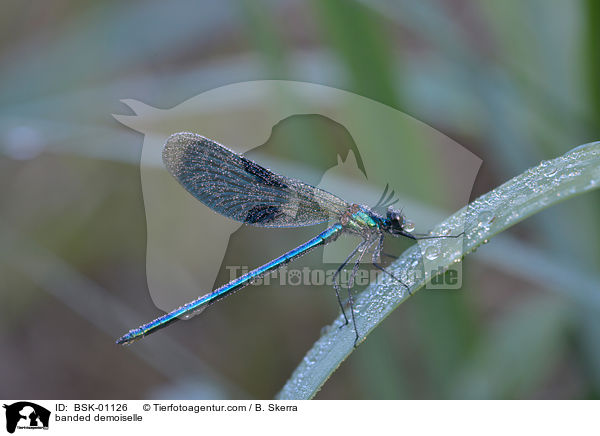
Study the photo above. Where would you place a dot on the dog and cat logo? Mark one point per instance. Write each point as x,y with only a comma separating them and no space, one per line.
26,415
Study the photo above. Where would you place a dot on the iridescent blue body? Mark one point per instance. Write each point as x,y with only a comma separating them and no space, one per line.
199,304
243,190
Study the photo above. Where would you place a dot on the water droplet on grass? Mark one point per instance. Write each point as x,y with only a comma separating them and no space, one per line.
485,218
432,253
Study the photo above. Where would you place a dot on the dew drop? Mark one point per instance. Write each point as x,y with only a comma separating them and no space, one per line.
193,313
409,226
519,200
432,253
485,218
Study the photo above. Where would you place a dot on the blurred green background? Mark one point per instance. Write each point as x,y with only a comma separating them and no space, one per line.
515,82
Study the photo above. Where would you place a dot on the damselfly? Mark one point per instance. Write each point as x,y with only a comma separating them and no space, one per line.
240,189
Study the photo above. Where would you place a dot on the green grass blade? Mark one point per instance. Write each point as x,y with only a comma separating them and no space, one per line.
576,172
517,352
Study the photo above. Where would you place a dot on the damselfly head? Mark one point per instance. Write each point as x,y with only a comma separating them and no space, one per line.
394,221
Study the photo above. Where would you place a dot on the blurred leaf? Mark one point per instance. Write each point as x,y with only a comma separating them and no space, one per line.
263,33
378,370
517,352
359,37
589,324
448,330
98,307
591,12
107,39
550,182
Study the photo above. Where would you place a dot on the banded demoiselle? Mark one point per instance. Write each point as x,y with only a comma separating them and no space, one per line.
242,190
